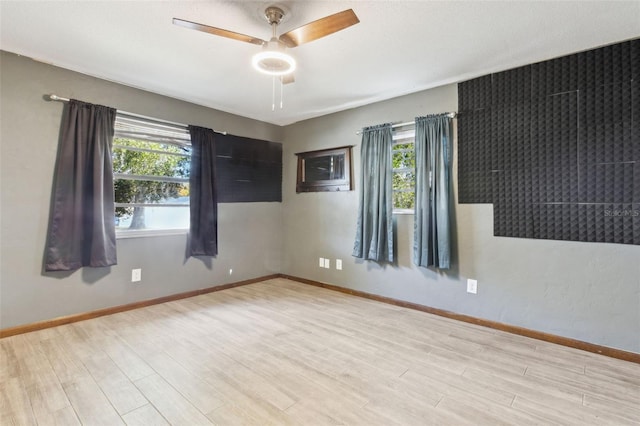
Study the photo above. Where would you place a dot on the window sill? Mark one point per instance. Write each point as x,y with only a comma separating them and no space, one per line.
143,233
404,211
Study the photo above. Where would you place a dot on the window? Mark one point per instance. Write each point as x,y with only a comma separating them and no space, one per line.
151,161
404,169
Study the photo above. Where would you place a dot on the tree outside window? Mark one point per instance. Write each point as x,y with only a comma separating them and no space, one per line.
149,175
404,165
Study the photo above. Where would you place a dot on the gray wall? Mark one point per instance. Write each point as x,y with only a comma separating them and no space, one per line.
250,235
584,291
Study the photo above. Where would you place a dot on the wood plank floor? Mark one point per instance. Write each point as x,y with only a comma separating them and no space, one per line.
281,352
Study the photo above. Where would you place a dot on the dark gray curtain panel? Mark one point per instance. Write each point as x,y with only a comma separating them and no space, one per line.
82,223
374,233
203,232
431,236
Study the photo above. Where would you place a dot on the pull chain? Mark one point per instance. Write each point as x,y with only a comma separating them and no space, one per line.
281,92
273,93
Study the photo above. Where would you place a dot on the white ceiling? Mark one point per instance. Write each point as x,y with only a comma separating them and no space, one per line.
399,47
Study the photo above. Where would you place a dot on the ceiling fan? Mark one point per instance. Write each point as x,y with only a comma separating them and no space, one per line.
273,59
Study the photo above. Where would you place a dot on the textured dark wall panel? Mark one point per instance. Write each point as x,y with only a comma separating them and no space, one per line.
555,146
249,170
512,214
474,94
555,76
513,86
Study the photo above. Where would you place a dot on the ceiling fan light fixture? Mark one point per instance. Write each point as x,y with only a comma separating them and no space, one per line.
274,62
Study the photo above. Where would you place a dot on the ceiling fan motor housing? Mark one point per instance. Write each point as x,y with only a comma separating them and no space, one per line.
274,15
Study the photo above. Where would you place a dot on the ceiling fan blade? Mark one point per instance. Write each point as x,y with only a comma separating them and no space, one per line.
218,31
288,78
320,28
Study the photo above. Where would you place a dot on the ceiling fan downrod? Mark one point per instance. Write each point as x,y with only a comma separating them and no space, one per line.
274,15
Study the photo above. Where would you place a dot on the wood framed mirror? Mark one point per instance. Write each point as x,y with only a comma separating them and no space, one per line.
325,170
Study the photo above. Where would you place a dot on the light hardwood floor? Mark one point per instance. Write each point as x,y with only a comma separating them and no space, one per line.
281,352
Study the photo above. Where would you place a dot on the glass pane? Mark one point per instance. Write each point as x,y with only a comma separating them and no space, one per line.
403,180
326,167
158,146
150,192
149,164
404,156
145,163
403,200
160,217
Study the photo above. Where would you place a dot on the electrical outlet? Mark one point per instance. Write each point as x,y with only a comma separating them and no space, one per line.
230,271
136,275
339,264
472,286
327,263
321,262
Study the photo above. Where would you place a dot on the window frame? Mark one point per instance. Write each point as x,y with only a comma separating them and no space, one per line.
403,135
146,129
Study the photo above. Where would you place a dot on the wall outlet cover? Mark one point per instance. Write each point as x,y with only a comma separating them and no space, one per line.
136,275
472,286
321,262
339,264
327,263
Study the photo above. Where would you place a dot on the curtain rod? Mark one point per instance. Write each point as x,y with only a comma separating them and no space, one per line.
131,114
393,126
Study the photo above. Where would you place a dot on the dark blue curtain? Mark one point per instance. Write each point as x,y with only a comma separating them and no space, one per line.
203,231
82,221
374,232
431,238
